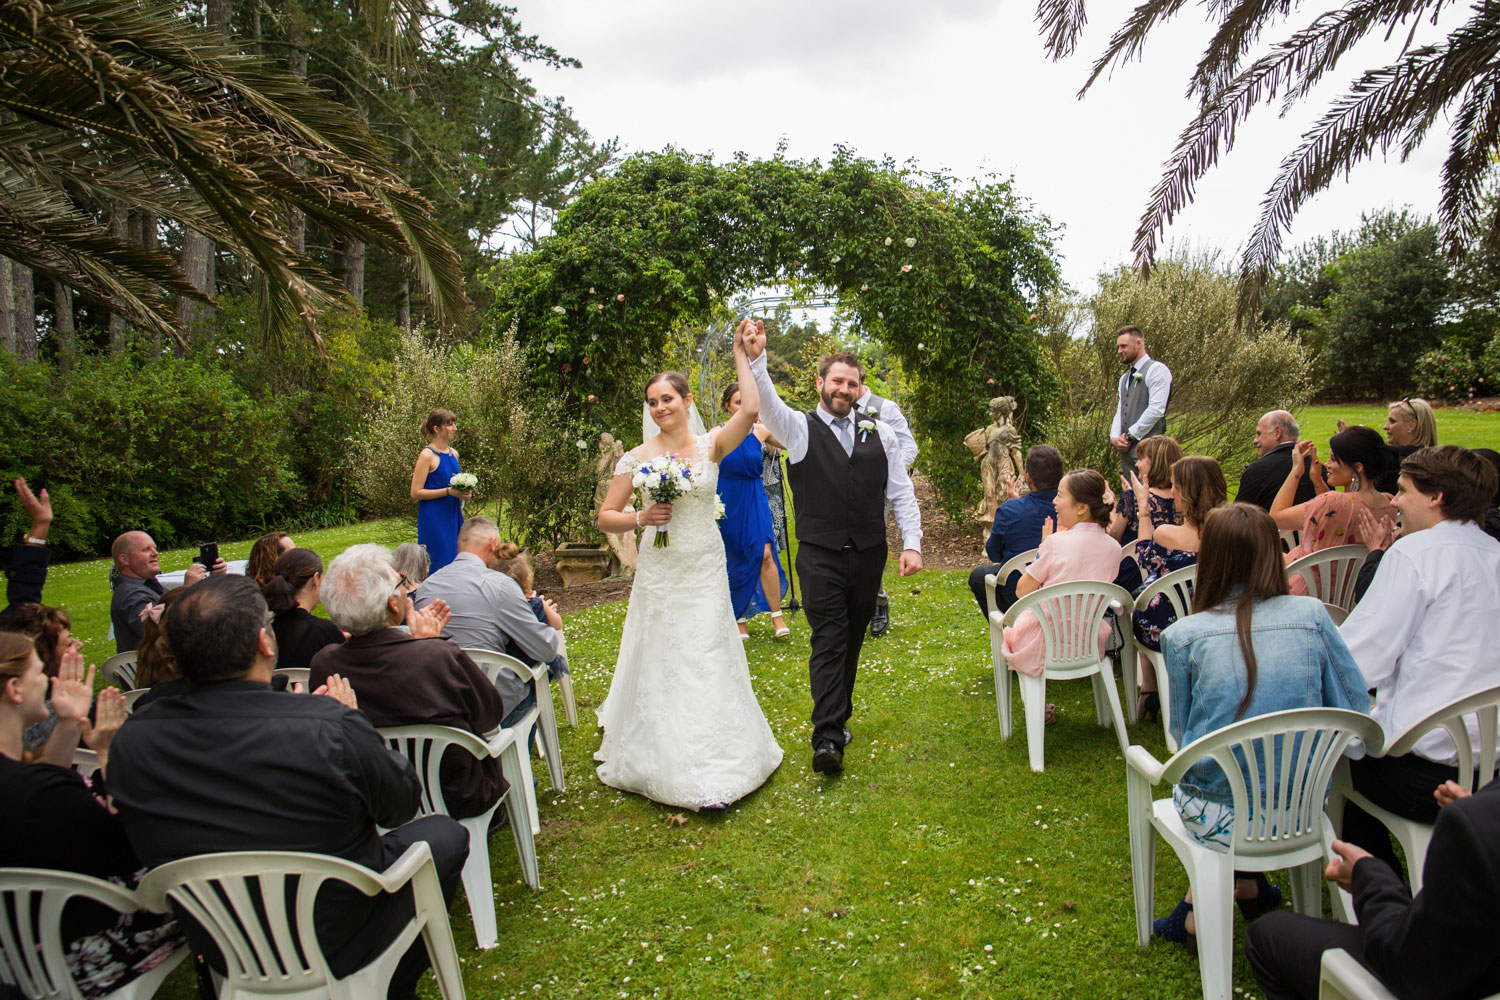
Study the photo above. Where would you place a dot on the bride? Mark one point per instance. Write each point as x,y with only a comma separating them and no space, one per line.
681,723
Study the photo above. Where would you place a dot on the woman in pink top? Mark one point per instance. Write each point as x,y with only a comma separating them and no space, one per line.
1356,459
1080,549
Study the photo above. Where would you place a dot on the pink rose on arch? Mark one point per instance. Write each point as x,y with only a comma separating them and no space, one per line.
905,268
864,288
591,397
620,297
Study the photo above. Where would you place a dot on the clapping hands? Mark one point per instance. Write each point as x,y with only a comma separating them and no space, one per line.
429,622
1302,451
109,716
1012,487
73,689
1373,532
339,690
1049,525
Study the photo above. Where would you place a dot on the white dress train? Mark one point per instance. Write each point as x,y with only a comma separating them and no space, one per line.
681,723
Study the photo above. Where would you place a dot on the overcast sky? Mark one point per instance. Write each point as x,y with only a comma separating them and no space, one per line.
958,84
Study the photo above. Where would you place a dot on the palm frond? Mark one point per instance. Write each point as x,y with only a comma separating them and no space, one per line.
1062,22
1131,36
1476,131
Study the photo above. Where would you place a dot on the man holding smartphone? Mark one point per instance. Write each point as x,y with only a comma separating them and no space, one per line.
136,565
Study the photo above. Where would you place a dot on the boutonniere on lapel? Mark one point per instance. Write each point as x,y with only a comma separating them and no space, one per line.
1137,377
865,427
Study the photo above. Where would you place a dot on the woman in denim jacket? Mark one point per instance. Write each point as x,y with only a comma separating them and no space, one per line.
1249,649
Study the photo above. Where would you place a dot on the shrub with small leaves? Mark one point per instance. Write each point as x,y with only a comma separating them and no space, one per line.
1450,373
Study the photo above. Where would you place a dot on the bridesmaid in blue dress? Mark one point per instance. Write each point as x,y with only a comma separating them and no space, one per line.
756,579
440,508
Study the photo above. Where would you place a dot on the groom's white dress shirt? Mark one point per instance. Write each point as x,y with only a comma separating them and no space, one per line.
788,427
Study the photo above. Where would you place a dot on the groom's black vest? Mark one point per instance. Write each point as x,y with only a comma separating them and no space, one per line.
839,499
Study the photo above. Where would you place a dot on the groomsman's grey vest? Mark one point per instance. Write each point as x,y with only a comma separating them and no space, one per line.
1134,398
839,499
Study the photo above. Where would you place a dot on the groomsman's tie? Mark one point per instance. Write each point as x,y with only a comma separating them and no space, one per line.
846,436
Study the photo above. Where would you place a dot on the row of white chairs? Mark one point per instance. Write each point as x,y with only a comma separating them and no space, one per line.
256,906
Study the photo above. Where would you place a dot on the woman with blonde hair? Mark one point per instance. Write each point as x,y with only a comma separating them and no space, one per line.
1198,487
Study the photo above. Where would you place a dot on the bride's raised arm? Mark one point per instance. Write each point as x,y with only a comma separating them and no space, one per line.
737,427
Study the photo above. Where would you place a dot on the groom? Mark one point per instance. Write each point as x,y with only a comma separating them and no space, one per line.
841,474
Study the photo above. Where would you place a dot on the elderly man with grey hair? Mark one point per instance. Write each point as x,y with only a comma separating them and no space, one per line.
489,609
408,678
1275,436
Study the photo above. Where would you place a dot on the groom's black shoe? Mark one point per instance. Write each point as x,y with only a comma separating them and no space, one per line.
882,620
828,757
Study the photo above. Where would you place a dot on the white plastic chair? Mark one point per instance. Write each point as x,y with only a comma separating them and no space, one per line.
133,695
570,707
1414,837
1330,575
120,669
272,950
1294,754
992,582
1290,539
294,675
33,954
1178,588
1343,978
85,761
546,721
424,746
1070,615
1127,551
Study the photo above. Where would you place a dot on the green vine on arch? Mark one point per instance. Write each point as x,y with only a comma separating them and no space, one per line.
946,276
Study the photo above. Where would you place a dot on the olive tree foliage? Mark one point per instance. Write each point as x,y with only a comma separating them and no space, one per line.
944,275
529,465
1223,378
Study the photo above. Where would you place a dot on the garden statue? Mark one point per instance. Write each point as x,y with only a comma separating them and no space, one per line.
997,448
622,545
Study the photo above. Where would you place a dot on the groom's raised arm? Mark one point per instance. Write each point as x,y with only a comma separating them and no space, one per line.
785,424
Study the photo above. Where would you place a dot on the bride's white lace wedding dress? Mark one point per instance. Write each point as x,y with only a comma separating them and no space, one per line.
681,723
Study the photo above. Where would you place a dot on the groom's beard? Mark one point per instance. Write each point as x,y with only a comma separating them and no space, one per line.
838,405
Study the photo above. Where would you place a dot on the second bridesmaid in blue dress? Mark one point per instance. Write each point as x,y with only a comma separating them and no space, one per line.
756,580
440,507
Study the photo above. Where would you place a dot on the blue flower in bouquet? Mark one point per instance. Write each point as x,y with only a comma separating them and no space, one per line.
663,479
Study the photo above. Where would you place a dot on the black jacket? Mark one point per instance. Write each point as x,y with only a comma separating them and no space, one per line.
1263,477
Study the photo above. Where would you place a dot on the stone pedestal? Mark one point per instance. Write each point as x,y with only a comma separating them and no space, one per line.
582,562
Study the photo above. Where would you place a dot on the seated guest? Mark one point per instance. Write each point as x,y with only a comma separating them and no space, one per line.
1197,488
50,629
1410,425
1018,524
1275,437
1247,649
1080,549
1356,459
291,594
1436,946
261,566
230,765
55,820
28,561
513,563
411,561
155,666
1426,632
1155,457
406,681
133,579
1492,514
489,611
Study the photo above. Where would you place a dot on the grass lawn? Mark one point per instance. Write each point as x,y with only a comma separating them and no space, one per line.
1469,428
938,865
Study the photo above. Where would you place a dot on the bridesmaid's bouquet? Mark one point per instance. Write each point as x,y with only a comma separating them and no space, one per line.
663,480
463,481
719,509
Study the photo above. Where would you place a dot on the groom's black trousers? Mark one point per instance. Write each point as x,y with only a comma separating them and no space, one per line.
838,593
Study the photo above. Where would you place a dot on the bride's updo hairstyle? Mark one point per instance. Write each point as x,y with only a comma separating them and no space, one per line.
676,380
1089,488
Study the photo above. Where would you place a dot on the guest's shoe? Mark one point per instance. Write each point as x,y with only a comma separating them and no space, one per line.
1267,898
881,623
848,736
781,628
828,757
1173,927
1148,707
744,630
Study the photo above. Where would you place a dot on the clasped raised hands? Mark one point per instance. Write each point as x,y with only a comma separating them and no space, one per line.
750,335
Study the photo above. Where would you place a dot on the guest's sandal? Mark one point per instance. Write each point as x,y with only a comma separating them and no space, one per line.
744,632
1173,927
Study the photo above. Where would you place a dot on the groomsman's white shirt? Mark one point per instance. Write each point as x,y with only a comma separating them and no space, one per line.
787,426
891,414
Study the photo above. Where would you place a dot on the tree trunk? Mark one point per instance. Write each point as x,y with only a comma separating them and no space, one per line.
24,297
219,12
354,270
62,322
7,308
403,306
144,232
296,64
119,228
198,263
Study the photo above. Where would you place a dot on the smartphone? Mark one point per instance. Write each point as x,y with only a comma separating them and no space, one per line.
208,554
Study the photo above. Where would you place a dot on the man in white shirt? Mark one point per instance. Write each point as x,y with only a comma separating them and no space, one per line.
886,411
1426,632
1143,392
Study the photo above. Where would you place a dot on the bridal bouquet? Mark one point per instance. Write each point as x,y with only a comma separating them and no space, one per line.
663,480
463,481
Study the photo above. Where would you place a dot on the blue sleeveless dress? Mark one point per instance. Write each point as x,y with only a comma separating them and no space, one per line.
438,520
746,527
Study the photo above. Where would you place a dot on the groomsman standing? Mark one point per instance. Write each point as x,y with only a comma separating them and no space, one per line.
885,410
1144,390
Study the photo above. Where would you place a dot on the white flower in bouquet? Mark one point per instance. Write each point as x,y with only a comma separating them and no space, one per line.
464,481
719,509
662,480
